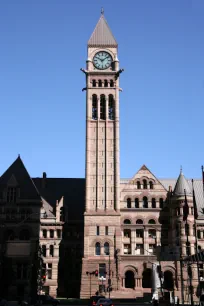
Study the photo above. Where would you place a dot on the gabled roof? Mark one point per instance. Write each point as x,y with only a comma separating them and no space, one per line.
73,190
182,185
18,171
148,172
102,35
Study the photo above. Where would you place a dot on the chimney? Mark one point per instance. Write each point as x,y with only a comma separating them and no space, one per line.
44,180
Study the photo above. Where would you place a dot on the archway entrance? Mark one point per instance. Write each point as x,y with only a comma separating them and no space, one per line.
168,280
129,280
147,278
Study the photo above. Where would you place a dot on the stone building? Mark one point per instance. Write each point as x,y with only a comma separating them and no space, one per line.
120,228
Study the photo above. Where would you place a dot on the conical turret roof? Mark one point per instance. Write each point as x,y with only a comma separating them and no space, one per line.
102,35
182,184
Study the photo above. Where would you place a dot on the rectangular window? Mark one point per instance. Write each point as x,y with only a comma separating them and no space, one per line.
102,270
49,271
152,248
106,230
127,249
139,233
97,231
139,249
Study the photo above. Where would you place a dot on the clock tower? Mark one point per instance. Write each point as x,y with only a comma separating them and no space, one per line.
102,211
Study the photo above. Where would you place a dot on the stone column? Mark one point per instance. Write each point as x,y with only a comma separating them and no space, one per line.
133,241
55,233
183,249
201,234
48,233
145,241
47,250
56,251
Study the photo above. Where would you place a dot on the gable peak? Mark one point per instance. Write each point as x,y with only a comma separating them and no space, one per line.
144,168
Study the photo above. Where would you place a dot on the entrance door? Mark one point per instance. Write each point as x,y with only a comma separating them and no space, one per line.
129,280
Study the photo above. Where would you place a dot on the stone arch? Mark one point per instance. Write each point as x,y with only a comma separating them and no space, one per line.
129,279
151,218
127,217
130,268
168,280
130,274
95,241
139,220
128,196
108,241
147,278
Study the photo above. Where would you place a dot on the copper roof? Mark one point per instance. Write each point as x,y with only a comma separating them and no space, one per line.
102,35
182,185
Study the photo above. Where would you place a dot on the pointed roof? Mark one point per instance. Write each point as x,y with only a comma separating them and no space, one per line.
102,35
18,171
182,184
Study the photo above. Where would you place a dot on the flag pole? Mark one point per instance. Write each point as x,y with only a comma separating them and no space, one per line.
189,269
196,239
202,178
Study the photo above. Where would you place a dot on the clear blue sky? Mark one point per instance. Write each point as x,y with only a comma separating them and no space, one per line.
42,114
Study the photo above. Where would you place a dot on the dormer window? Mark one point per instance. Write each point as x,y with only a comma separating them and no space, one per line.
11,194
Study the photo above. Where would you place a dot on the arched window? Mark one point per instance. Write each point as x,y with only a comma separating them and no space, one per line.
111,83
128,203
199,248
99,83
144,184
153,203
97,249
44,250
161,203
51,250
145,202
24,235
139,221
187,229
94,107
94,83
102,107
152,233
136,203
111,113
138,185
106,248
152,221
150,185
198,234
105,83
127,221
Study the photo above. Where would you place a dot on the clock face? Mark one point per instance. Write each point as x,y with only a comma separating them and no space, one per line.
102,60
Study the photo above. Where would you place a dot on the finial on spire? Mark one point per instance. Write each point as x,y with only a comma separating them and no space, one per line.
102,11
181,170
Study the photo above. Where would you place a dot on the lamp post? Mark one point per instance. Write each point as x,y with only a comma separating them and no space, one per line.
90,274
